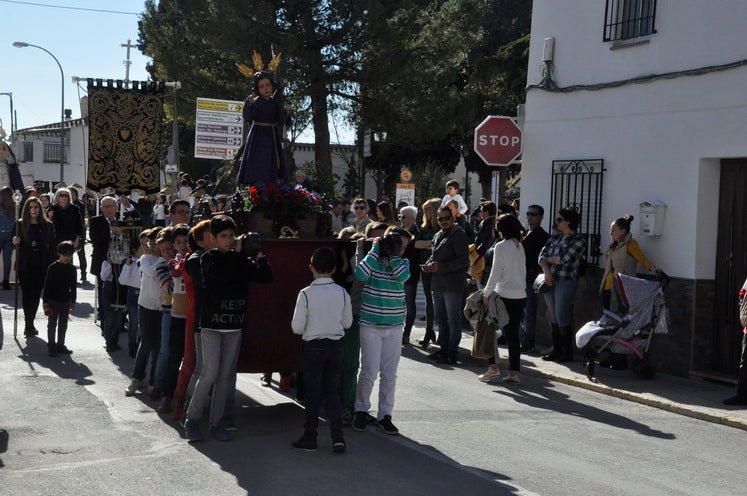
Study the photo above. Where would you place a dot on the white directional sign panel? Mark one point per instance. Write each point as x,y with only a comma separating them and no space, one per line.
219,127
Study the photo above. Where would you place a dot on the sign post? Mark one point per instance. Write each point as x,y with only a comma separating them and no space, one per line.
219,125
498,140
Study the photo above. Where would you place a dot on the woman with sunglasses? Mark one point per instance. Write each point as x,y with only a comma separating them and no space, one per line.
66,218
34,242
560,260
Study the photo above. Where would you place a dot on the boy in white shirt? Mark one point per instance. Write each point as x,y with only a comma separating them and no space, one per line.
323,312
452,194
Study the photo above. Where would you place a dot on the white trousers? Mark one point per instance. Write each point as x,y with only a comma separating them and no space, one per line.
381,347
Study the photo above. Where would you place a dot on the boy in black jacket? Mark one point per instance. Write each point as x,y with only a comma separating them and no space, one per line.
59,297
225,274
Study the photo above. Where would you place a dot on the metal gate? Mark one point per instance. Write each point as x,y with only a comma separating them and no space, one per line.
578,184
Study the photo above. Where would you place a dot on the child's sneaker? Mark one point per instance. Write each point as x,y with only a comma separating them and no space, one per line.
306,443
339,446
165,405
135,386
192,430
347,417
361,420
219,433
64,350
386,426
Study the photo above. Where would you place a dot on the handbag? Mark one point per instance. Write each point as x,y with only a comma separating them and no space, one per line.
743,312
476,262
539,285
483,344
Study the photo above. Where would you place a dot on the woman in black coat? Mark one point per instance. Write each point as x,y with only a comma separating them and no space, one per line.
66,218
35,243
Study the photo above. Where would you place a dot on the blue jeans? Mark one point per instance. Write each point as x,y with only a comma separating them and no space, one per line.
447,306
560,301
529,320
162,360
150,341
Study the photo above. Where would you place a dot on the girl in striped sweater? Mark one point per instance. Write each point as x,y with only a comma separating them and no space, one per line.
382,318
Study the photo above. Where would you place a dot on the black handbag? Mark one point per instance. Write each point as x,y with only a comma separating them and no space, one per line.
539,285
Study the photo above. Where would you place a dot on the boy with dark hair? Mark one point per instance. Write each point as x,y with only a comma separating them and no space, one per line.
452,194
59,297
323,312
225,274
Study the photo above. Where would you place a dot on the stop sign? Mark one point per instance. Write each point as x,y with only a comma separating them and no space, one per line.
498,140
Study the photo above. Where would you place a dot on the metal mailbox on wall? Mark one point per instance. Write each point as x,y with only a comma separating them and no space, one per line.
652,217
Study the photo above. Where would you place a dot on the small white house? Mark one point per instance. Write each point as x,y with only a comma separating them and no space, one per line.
637,103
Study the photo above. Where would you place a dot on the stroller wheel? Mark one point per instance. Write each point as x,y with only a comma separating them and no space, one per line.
589,368
645,371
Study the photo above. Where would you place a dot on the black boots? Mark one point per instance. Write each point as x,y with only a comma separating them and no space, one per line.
557,345
562,345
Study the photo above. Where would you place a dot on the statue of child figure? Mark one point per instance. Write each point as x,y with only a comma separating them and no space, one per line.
262,158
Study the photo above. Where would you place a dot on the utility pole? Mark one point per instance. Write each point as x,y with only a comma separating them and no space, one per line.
127,63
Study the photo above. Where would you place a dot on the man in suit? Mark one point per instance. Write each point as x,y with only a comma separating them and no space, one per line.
101,236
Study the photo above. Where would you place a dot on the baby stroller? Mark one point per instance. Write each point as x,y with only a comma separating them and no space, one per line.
630,334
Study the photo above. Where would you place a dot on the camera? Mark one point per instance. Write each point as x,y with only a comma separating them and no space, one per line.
390,245
251,244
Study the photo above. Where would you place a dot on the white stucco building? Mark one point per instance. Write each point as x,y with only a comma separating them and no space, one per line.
653,92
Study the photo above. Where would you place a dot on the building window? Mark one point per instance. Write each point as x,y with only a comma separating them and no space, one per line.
52,152
626,19
28,151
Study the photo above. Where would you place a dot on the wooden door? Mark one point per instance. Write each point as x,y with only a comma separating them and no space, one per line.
731,263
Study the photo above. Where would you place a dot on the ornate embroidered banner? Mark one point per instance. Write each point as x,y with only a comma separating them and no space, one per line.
124,140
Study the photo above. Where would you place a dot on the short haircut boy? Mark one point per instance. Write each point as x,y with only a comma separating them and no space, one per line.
221,223
324,260
453,183
66,248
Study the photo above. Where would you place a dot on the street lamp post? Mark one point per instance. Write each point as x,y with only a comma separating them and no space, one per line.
21,44
12,126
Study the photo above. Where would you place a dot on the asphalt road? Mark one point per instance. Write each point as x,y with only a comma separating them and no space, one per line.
67,428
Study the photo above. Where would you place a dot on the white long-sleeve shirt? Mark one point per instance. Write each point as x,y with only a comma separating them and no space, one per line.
130,274
508,274
150,287
323,311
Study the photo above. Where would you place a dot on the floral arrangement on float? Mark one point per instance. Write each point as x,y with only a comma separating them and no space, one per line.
278,208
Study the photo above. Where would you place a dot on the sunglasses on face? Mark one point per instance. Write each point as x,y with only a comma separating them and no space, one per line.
63,195
532,214
359,207
443,219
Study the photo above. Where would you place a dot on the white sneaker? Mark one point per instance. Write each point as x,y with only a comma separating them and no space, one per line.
135,386
513,377
490,374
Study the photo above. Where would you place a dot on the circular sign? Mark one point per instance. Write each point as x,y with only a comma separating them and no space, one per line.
405,175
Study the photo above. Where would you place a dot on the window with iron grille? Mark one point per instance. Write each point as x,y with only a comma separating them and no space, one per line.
626,19
28,151
52,152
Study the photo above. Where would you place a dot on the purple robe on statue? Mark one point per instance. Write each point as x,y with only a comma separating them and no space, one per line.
263,158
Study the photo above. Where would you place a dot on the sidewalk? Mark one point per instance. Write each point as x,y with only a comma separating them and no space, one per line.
696,398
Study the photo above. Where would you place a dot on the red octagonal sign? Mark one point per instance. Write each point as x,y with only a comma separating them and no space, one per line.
498,140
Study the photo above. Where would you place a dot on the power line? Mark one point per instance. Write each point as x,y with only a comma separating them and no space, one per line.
34,4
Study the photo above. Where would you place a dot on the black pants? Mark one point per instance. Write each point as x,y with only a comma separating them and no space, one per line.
57,322
515,310
176,353
322,363
32,283
742,380
82,262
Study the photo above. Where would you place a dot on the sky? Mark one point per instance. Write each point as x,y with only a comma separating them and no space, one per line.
85,36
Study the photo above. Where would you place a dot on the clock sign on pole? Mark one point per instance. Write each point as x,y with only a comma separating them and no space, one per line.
498,140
